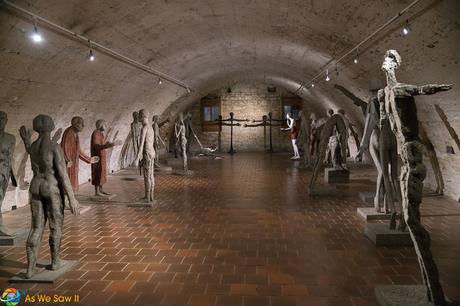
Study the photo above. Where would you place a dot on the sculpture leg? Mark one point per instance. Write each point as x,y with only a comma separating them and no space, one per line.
413,174
321,152
152,184
148,180
295,148
306,154
385,162
3,187
437,172
375,154
55,214
35,234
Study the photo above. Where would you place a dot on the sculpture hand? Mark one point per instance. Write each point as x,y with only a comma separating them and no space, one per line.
445,87
25,133
74,206
94,159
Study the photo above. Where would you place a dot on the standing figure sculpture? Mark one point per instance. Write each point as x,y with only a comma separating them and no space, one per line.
334,127
381,143
397,104
146,155
70,144
292,134
189,131
7,145
181,140
157,141
99,144
49,185
304,137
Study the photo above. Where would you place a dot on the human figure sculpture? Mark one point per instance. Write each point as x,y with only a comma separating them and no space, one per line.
397,103
70,144
292,134
49,184
189,131
431,152
136,127
7,145
146,154
181,140
304,136
157,141
381,143
99,144
315,132
334,126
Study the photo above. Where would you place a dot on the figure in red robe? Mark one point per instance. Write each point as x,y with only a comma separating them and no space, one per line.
99,144
72,152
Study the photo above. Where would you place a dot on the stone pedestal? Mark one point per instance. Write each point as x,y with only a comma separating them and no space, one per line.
402,295
381,235
10,238
102,198
367,197
369,213
333,176
44,275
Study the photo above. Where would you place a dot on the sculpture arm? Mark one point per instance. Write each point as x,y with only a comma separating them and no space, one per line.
63,178
369,126
357,101
26,136
12,175
141,144
429,89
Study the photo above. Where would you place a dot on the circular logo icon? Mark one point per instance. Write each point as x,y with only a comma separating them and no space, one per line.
11,297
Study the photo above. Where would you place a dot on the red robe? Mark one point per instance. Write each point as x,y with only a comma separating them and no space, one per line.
98,146
72,152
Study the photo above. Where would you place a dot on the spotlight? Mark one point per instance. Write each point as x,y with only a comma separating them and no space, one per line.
355,60
36,36
406,29
312,85
327,75
91,55
188,90
160,81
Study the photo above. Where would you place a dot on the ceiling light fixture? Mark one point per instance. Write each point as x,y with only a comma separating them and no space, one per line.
406,29
91,55
36,36
327,75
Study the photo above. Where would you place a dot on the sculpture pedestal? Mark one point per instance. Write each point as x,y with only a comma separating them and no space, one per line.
102,198
369,213
332,175
143,204
367,197
381,235
402,295
44,275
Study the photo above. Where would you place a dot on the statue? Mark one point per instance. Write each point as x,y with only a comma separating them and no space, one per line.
397,104
315,132
49,185
293,134
334,127
99,144
146,154
381,143
189,131
157,141
304,137
70,144
7,145
136,132
181,140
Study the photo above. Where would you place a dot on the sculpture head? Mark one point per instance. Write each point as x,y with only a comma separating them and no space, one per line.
312,116
77,123
144,116
135,116
43,124
156,118
232,114
101,125
391,61
3,120
330,112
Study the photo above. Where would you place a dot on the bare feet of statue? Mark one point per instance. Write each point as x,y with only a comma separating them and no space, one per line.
56,264
295,157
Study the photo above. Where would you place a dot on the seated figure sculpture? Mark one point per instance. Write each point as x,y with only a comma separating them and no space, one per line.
49,184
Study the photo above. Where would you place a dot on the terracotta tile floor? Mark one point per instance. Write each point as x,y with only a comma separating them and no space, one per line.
241,231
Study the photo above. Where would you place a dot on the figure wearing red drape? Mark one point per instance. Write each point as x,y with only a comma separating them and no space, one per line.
72,153
98,148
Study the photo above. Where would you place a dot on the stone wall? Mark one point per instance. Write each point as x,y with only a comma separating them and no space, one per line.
246,102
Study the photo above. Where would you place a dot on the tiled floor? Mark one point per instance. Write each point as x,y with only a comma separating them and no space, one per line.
241,231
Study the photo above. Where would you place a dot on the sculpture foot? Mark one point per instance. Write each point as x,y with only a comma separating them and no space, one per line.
295,157
56,265
30,273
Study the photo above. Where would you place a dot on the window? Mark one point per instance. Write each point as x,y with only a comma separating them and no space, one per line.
291,105
210,111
